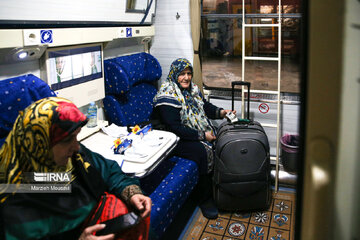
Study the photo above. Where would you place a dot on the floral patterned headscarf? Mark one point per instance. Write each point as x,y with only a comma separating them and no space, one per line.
37,129
189,100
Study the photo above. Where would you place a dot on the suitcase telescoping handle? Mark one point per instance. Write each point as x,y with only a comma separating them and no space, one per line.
247,84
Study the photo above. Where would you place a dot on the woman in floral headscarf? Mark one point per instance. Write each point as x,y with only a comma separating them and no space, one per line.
44,140
185,112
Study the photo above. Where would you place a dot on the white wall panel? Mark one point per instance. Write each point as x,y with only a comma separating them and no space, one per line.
18,69
172,35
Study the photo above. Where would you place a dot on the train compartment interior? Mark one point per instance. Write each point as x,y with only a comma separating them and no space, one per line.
118,54
36,51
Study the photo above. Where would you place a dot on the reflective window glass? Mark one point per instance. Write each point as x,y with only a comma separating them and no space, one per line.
221,43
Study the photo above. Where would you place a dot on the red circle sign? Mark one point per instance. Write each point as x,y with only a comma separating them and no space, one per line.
264,108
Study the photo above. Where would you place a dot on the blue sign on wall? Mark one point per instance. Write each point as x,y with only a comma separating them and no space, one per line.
128,32
46,36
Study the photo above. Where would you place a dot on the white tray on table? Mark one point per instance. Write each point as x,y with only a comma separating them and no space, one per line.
142,157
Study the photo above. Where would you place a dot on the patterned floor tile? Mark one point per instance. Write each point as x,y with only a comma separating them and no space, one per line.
277,234
261,218
281,221
229,238
282,206
256,232
210,236
274,224
236,229
217,226
244,217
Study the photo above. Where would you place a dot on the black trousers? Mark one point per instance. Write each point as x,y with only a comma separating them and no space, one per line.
195,151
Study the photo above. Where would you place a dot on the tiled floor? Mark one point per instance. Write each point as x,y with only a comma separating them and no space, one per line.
277,223
262,74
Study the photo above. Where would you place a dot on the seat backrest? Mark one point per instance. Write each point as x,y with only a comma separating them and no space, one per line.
129,88
122,73
15,95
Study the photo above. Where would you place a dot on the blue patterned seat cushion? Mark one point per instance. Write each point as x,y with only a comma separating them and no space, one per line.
15,95
131,108
116,79
168,187
122,73
140,67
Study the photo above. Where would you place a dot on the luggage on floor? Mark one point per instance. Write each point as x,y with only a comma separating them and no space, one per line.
241,178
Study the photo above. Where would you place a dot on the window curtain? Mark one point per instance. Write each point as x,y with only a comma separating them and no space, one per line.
195,16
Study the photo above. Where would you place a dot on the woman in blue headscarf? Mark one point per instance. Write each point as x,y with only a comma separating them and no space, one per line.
184,111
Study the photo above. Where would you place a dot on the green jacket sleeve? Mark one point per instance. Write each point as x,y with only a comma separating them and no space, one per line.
114,177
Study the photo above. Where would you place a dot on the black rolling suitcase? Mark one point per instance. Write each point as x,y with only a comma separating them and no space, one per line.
241,178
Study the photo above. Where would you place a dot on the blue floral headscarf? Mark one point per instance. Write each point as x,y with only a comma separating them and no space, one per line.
189,100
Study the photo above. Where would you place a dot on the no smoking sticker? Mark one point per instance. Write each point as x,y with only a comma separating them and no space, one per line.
264,108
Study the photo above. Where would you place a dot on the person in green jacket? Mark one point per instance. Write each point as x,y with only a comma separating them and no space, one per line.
44,140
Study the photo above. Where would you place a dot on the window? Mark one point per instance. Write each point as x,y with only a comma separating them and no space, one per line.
136,5
221,43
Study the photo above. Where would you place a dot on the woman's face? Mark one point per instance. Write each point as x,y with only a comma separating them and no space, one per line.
64,149
184,78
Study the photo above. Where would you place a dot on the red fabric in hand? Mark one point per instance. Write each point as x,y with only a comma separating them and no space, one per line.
111,207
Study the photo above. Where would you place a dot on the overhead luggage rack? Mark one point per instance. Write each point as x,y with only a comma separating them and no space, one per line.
276,93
